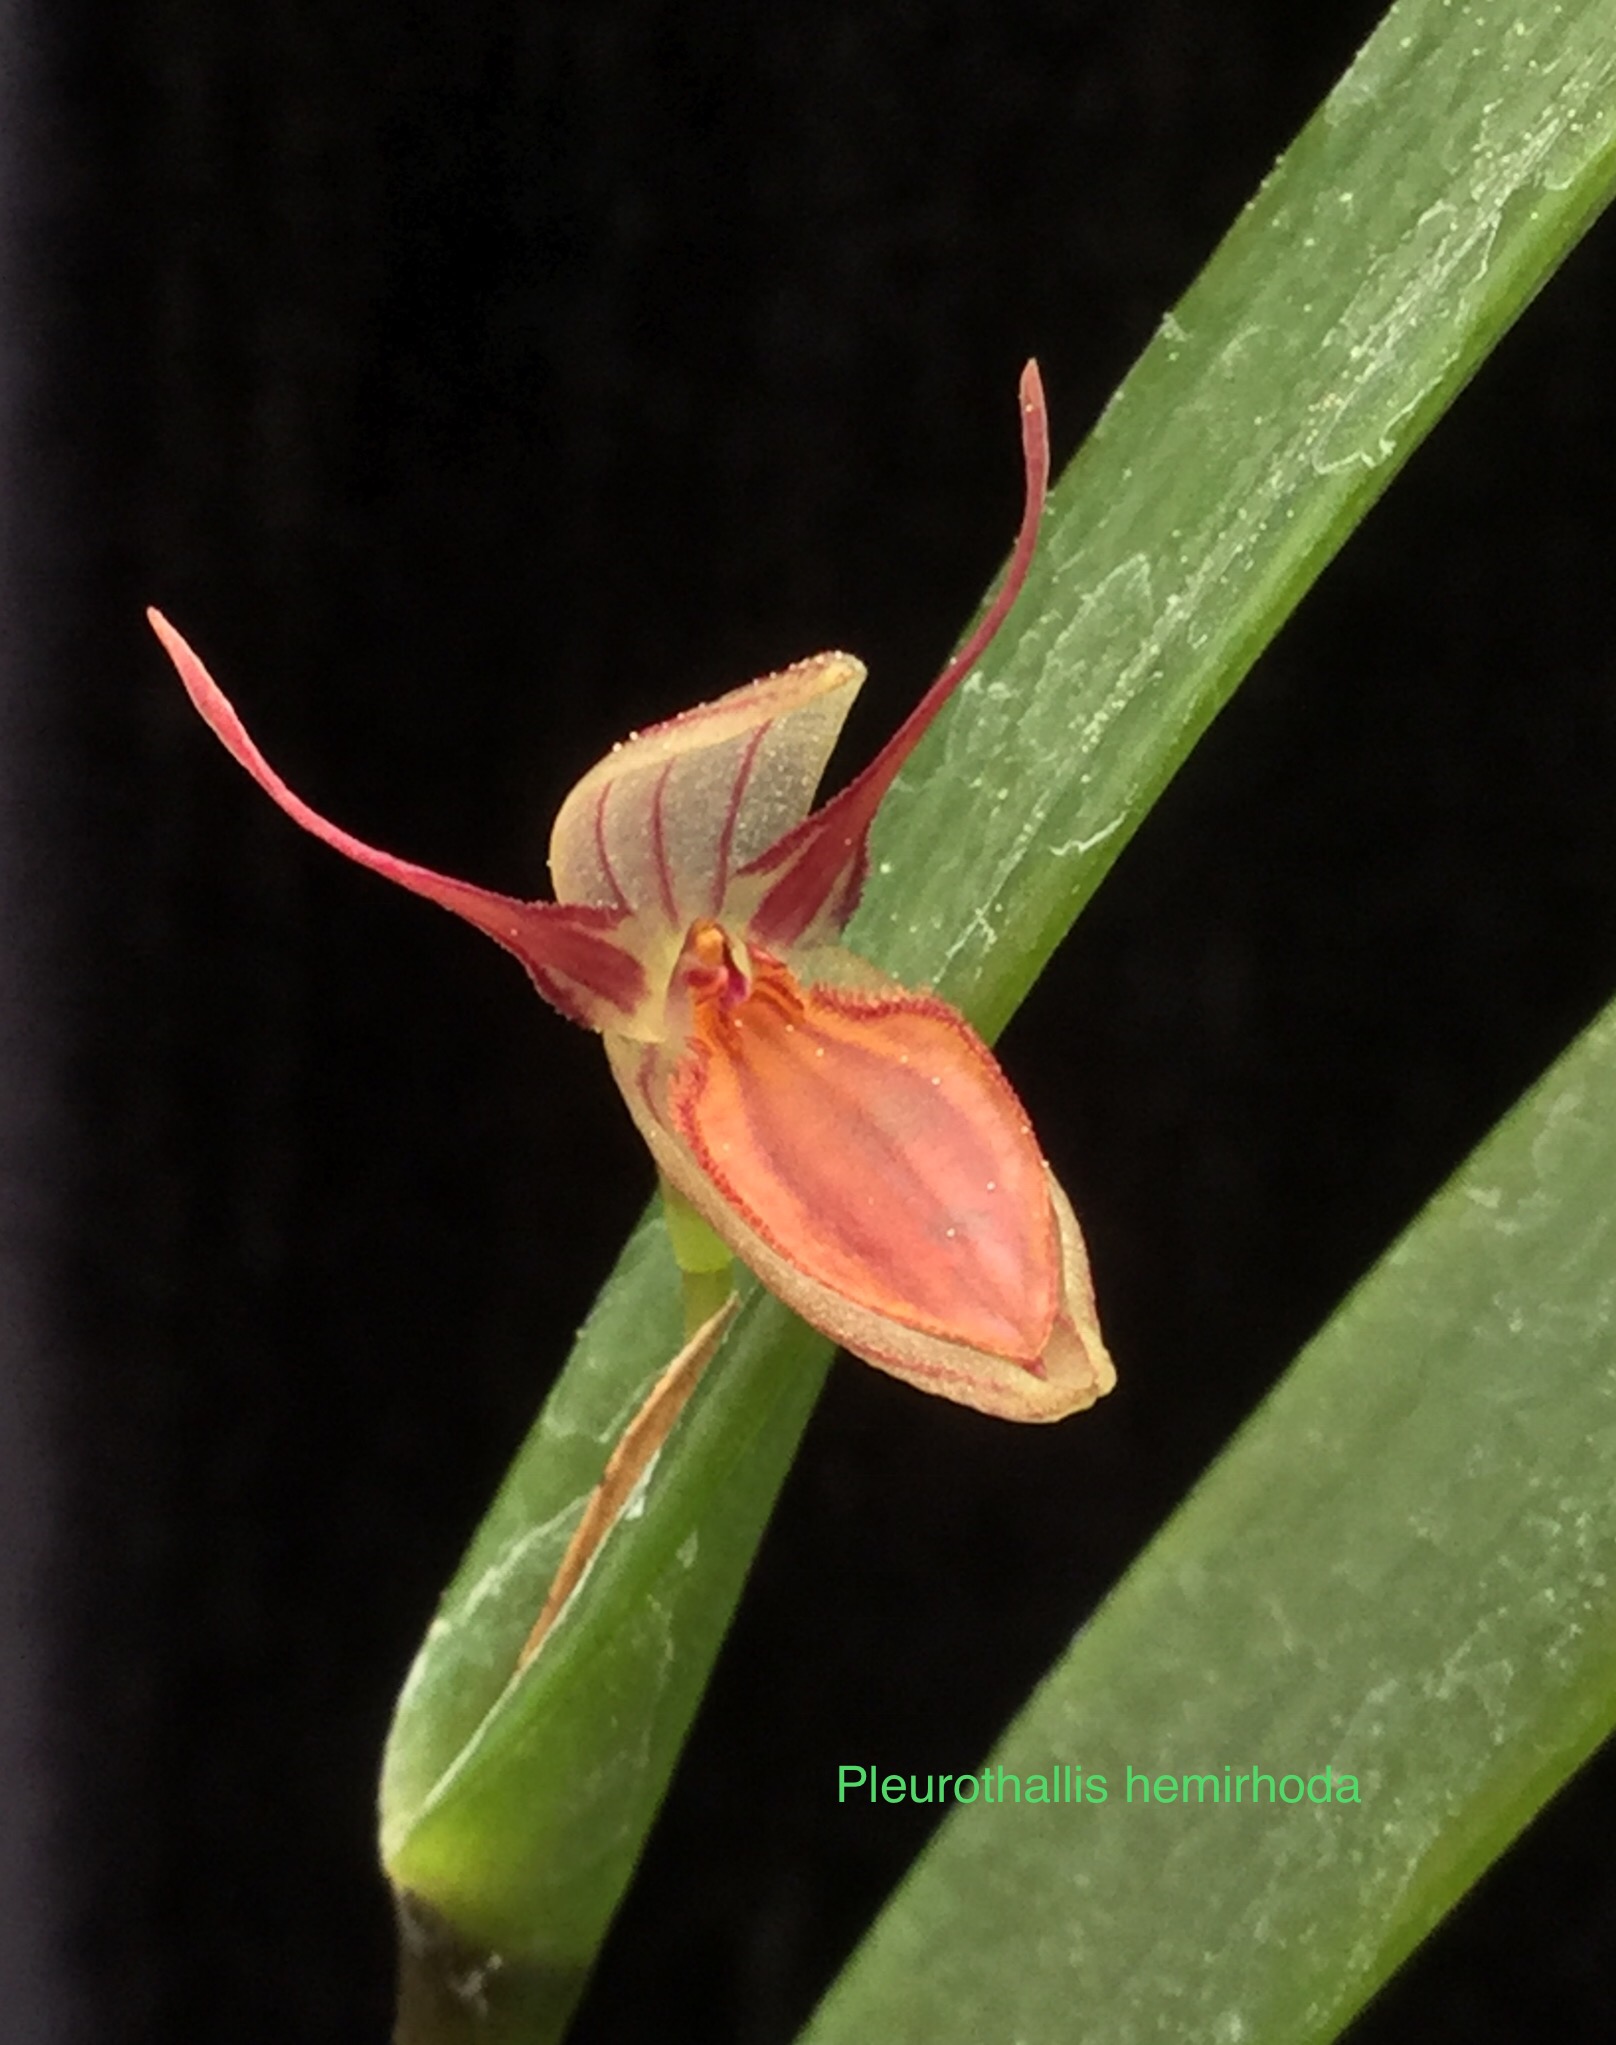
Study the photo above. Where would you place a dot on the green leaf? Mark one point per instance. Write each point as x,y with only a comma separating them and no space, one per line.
1439,184
1404,1569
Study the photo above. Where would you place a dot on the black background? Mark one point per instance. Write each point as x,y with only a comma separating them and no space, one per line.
474,383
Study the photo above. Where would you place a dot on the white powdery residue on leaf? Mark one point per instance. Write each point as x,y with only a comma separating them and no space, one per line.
1446,257
1078,848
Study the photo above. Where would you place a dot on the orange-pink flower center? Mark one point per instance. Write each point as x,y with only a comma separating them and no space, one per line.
872,1141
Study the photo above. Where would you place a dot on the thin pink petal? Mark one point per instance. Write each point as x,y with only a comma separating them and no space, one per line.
818,869
568,952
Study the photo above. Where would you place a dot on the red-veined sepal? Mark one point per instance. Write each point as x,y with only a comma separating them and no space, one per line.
663,824
858,1147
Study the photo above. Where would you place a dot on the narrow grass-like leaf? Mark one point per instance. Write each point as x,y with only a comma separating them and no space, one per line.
1403,1569
1439,184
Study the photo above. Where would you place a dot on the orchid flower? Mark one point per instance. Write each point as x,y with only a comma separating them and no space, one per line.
852,1141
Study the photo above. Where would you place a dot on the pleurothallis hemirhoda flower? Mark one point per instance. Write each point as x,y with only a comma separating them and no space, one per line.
851,1140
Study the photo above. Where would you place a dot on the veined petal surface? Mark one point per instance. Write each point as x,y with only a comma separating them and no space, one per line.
665,821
